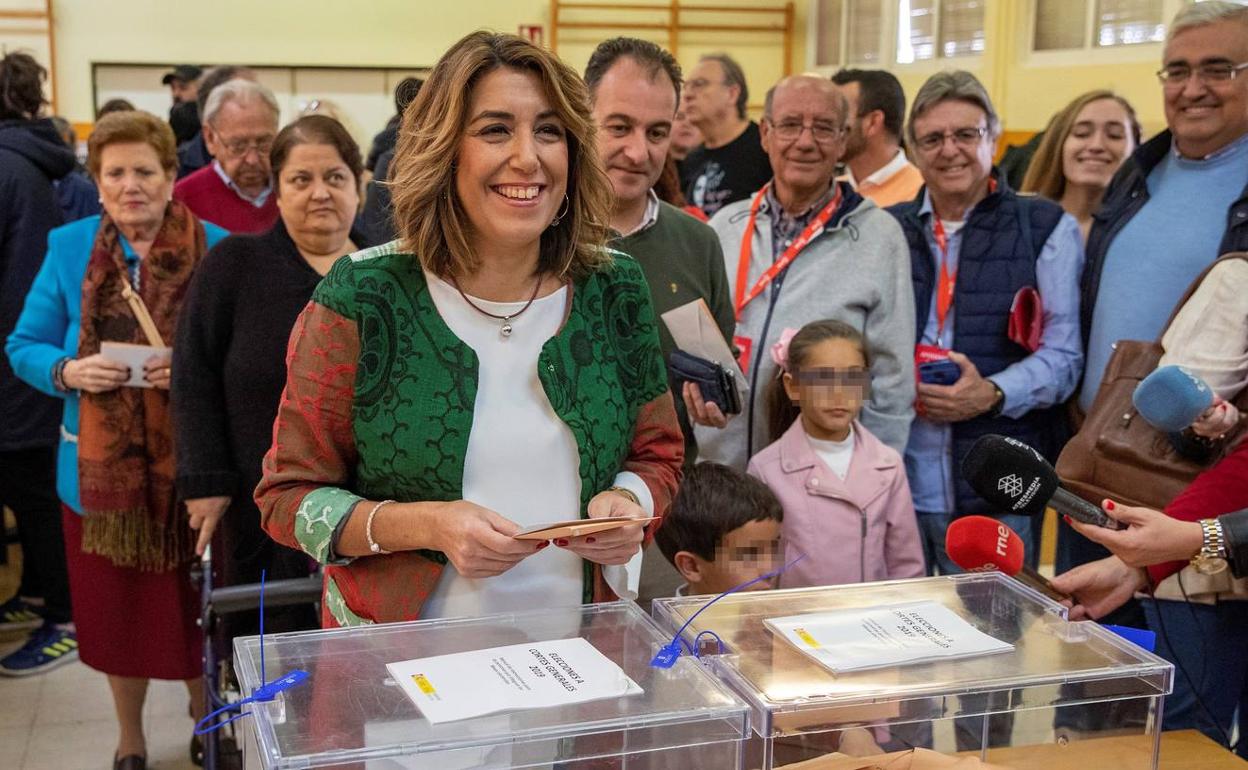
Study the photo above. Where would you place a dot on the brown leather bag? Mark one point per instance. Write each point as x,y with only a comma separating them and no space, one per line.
1116,453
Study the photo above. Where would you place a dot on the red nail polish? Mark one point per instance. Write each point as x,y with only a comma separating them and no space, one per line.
1109,505
543,544
1068,521
590,539
561,542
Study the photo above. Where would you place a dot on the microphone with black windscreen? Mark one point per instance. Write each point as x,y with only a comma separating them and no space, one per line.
1014,478
983,544
1172,398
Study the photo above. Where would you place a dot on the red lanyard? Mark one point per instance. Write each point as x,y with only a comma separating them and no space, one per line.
948,280
816,225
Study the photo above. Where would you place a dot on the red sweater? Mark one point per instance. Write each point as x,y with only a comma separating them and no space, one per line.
211,200
1221,489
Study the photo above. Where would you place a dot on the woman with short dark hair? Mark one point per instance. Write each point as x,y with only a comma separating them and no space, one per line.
120,277
230,355
494,369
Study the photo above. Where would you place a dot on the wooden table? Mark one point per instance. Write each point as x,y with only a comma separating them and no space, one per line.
1192,750
1180,750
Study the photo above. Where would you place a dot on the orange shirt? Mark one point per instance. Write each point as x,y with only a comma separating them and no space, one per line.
899,187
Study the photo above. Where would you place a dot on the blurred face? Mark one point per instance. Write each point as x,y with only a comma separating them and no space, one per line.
685,135
952,148
512,161
708,99
183,91
745,553
634,117
831,386
1098,142
134,189
317,196
855,138
239,138
1206,115
803,138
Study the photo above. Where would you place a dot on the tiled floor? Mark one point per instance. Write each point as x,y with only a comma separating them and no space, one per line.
63,720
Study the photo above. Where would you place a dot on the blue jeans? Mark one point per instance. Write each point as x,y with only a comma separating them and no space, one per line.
1210,642
932,528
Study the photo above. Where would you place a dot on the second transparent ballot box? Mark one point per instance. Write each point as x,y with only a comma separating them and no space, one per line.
350,713
1068,694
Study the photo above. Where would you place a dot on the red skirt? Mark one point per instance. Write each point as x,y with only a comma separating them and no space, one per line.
132,623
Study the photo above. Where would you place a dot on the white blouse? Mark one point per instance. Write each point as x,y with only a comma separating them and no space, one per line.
522,460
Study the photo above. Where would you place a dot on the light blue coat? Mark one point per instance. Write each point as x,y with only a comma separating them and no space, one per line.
47,331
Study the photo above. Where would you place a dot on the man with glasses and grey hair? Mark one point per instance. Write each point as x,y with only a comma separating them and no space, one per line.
234,191
806,248
1177,203
977,251
730,165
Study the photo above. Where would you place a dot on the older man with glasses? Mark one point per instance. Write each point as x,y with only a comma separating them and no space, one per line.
1177,203
234,191
978,250
806,248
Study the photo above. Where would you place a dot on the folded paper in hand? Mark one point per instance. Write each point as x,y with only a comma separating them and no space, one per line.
694,331
578,527
133,356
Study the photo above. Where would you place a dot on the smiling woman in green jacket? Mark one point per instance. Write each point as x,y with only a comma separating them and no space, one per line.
493,369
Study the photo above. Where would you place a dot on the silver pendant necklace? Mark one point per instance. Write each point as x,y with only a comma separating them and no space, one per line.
506,328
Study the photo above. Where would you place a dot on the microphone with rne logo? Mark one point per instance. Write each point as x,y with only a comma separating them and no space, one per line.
1014,478
983,544
1172,398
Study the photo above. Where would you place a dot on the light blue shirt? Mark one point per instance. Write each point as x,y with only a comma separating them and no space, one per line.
257,201
1042,379
1161,250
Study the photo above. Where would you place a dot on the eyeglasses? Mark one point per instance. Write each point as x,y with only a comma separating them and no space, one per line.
240,147
965,138
790,130
1175,76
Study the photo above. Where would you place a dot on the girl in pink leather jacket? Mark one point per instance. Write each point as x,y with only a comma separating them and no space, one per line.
846,500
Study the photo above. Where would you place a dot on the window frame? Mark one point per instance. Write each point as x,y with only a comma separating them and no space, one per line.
888,43
1091,53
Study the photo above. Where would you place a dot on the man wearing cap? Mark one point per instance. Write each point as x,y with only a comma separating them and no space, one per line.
183,82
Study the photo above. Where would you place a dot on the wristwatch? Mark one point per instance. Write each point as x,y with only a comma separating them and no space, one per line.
1212,556
998,403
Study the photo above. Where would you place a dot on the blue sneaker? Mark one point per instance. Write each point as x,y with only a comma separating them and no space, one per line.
17,614
48,647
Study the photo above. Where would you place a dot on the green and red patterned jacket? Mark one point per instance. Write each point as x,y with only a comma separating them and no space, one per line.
379,404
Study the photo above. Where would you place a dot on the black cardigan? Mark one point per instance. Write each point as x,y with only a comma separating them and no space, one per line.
229,360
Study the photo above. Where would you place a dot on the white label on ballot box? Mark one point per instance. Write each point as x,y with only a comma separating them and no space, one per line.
520,676
878,637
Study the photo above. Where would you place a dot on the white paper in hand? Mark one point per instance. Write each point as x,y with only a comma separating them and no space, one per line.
536,675
878,637
133,356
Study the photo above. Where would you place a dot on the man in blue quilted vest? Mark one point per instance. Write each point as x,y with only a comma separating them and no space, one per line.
980,254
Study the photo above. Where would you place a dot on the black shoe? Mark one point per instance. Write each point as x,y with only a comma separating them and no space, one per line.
130,762
197,751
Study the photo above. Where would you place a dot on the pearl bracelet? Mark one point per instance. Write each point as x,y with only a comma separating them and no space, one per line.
368,528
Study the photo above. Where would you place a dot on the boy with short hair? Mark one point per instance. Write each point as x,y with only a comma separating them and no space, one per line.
722,530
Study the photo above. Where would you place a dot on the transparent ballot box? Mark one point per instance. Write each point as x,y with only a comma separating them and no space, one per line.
1068,695
350,713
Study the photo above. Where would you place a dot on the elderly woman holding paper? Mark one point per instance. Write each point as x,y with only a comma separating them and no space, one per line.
494,369
119,278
